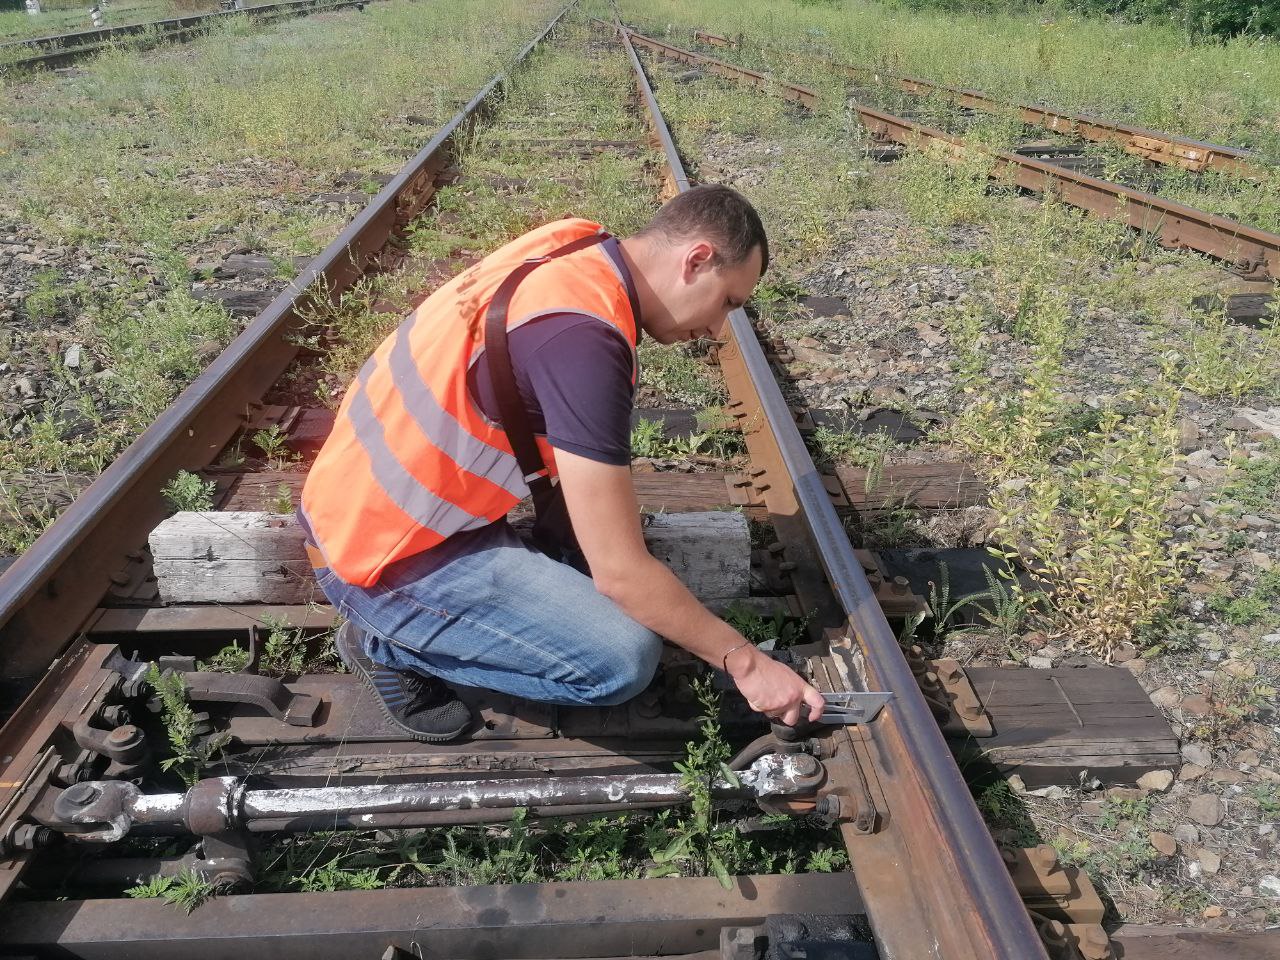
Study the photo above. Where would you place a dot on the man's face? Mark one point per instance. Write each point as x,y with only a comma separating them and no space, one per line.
703,293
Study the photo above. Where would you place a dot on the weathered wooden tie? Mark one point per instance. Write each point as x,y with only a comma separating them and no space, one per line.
250,557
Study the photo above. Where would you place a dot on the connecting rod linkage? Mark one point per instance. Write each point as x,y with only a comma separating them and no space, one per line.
112,808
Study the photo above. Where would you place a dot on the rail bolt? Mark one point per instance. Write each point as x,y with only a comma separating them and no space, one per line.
33,836
805,765
80,794
1044,857
828,808
124,736
69,773
114,716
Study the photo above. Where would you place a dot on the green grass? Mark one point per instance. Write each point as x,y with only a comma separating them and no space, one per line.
1255,485
1146,74
144,162
1084,65
1259,604
621,847
68,16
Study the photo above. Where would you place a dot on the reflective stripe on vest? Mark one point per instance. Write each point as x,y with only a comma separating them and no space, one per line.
412,459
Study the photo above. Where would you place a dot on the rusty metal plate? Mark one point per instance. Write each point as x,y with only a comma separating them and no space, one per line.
350,713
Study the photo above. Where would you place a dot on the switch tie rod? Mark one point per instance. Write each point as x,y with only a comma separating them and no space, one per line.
110,809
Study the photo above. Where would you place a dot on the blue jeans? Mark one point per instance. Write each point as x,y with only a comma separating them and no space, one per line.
484,610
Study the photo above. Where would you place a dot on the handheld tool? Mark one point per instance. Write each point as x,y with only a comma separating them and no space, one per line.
850,707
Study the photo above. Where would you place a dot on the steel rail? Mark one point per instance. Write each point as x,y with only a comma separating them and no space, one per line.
1154,145
50,591
65,48
789,91
933,881
1252,252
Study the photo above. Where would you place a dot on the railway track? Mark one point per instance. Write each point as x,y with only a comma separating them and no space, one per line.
927,879
49,53
1250,252
1153,145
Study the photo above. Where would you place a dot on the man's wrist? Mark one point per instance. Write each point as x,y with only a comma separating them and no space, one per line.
740,661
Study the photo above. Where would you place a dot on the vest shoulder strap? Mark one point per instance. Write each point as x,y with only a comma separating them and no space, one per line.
497,352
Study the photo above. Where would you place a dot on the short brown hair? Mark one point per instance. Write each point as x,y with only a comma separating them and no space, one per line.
721,214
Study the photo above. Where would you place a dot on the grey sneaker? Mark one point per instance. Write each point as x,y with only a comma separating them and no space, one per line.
424,707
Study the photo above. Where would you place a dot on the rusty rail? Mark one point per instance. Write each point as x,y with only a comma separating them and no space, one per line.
55,585
932,879
788,91
1249,251
66,48
1153,145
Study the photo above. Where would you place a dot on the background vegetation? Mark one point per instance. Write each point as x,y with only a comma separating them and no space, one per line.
1149,74
1221,18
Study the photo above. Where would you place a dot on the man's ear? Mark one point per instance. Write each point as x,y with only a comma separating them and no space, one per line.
699,257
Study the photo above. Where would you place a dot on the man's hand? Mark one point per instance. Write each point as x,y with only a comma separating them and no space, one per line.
606,518
773,688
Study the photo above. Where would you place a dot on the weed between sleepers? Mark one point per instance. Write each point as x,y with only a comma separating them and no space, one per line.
715,439
189,752
286,652
189,492
704,841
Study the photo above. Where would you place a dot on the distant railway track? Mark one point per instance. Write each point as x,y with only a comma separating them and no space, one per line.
52,52
1154,145
1248,251
926,873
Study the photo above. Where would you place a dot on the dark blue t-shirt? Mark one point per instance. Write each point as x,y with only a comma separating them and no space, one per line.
573,373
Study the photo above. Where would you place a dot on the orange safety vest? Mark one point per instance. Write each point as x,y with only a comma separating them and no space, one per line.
412,459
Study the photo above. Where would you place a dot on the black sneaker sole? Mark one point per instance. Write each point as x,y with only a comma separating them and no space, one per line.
348,645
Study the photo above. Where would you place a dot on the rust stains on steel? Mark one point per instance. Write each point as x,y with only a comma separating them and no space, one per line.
788,91
1249,251
934,884
50,591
